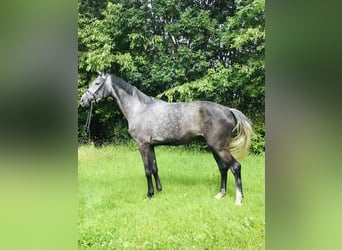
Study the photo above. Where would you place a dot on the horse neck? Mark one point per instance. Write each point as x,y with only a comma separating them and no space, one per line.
129,103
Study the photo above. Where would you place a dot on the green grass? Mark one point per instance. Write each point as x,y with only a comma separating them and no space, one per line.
114,214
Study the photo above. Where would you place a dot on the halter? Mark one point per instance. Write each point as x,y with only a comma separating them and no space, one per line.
97,90
87,125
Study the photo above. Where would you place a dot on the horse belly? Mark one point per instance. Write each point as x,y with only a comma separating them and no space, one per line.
175,134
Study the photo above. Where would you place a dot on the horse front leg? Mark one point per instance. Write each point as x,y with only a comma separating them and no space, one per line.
155,170
145,151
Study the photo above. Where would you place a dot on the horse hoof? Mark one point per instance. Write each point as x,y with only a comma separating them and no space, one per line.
238,203
219,196
149,196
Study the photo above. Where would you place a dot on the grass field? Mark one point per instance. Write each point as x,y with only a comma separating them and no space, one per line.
114,214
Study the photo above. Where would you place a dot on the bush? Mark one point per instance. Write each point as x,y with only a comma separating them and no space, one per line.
258,142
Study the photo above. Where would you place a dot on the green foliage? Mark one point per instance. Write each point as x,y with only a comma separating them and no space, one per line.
96,38
177,50
258,143
113,213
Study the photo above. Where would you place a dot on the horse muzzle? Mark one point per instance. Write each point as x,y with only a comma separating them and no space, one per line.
85,101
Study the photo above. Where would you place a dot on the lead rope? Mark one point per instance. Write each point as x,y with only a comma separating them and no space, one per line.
87,125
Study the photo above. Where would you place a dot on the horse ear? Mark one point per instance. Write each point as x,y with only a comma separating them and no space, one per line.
99,72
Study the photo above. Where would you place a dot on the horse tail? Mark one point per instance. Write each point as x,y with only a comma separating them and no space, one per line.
241,142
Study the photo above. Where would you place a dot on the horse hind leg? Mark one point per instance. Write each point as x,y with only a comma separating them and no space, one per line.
226,161
236,170
223,168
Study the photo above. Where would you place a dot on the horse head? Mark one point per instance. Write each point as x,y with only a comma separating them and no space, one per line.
97,90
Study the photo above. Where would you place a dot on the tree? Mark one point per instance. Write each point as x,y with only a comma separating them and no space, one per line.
176,50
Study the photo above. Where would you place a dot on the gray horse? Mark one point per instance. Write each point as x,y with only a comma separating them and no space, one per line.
152,121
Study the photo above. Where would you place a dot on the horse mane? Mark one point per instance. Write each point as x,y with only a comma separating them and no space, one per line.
132,90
